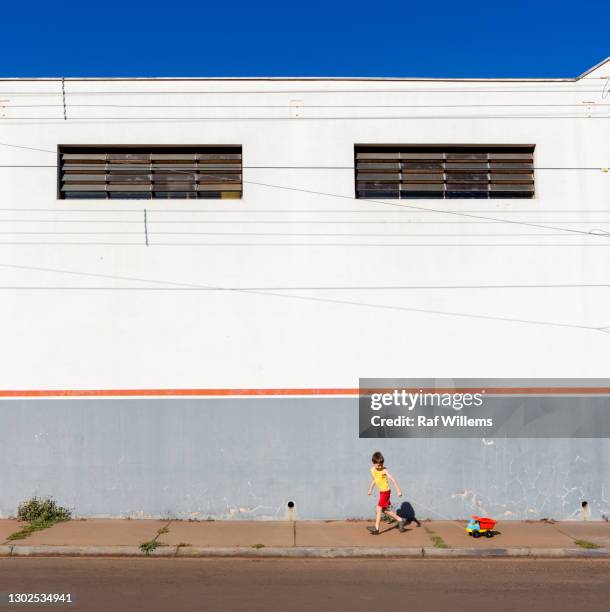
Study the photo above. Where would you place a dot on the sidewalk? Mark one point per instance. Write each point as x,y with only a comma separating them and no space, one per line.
120,537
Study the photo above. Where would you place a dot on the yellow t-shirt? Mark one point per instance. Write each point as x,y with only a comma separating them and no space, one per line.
381,479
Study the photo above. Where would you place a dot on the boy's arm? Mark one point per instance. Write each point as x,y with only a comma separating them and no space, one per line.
372,486
395,483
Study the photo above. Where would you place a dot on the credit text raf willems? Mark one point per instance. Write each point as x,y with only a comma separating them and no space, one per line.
411,400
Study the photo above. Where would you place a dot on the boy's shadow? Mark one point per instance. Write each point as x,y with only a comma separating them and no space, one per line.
407,513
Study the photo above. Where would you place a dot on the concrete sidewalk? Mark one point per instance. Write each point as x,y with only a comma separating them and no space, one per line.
117,537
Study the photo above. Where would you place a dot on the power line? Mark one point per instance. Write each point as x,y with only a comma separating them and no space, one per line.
391,221
54,166
411,206
303,210
304,222
592,232
331,300
203,287
81,221
268,167
414,207
339,234
404,90
304,105
289,234
265,167
74,119
301,288
80,233
304,244
14,146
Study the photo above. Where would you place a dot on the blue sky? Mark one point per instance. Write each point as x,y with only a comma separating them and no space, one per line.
437,38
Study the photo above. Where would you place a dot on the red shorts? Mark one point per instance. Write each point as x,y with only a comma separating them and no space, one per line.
384,499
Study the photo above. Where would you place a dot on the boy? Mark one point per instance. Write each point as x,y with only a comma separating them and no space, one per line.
380,478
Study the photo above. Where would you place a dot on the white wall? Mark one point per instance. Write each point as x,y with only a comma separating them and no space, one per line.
65,339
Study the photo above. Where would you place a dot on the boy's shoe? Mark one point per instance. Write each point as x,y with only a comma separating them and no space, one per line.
417,522
373,530
401,526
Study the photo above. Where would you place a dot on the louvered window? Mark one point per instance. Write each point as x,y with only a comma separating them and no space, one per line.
128,172
407,172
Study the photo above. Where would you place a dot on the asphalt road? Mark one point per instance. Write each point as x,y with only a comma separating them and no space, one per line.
317,584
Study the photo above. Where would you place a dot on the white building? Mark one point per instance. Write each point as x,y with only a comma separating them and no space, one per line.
292,288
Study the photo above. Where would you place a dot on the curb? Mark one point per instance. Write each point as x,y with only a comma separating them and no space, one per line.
600,553
302,552
532,553
478,552
86,551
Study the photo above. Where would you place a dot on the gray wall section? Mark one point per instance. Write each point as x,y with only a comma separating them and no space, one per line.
246,458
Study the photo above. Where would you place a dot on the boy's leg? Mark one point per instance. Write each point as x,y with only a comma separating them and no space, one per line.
401,521
375,530
393,515
385,517
378,517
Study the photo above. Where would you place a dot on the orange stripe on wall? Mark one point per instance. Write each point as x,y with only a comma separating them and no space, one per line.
171,392
295,392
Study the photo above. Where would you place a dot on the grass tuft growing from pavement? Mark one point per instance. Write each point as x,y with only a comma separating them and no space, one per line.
151,545
148,547
436,539
39,514
31,528
586,544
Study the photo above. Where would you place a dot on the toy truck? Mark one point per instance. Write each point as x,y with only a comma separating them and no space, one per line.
479,526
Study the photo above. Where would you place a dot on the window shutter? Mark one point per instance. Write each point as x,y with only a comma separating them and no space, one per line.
150,172
399,172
